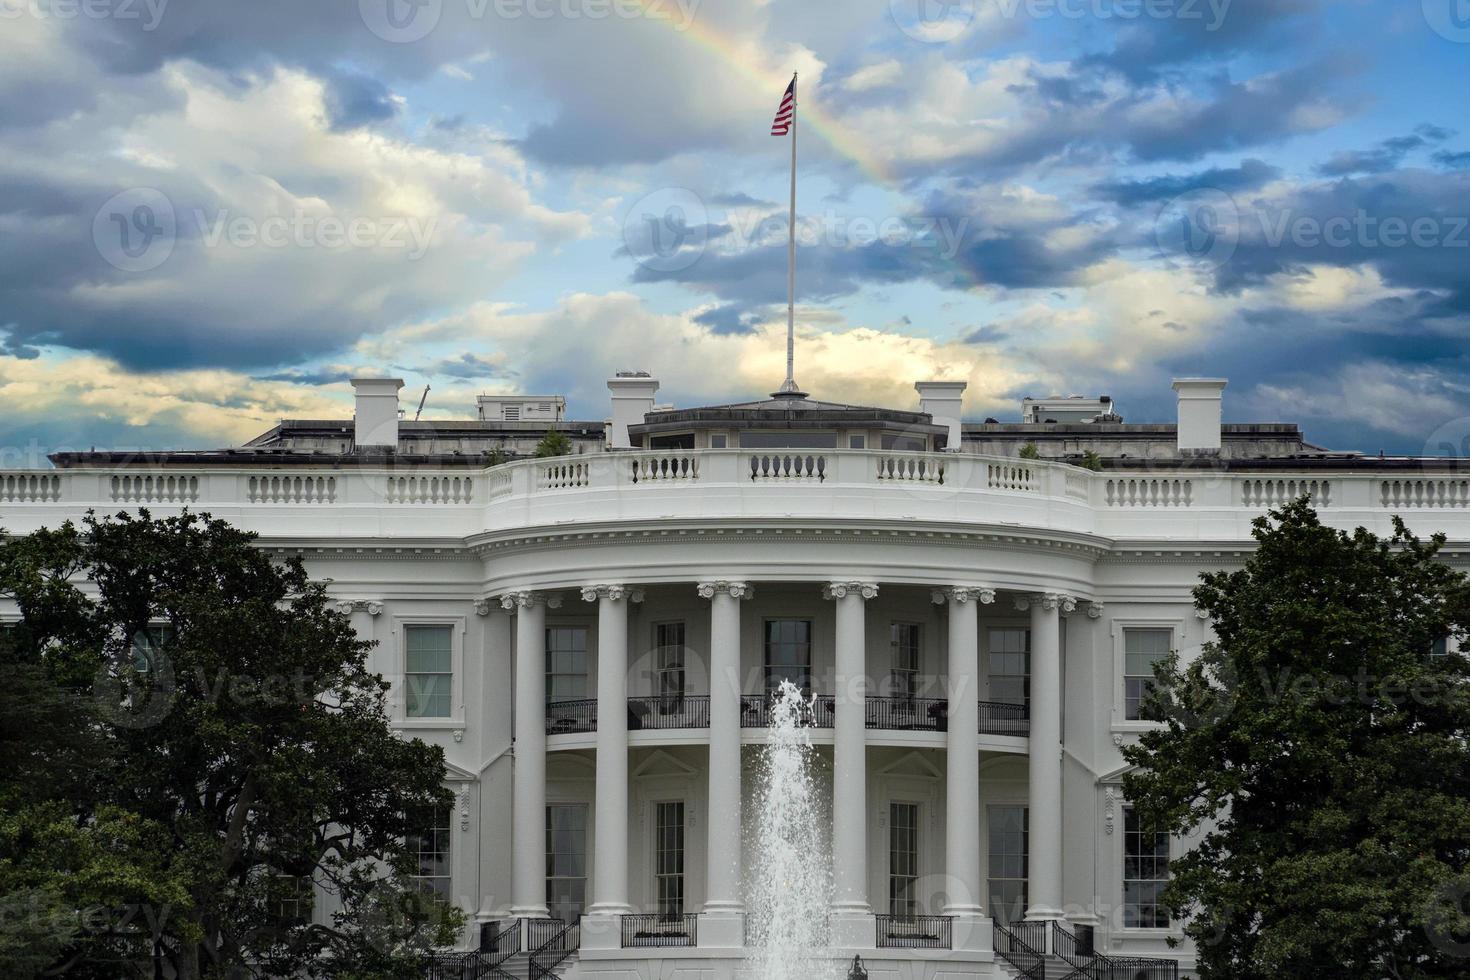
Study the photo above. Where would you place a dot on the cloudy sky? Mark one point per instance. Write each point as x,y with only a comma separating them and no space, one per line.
213,212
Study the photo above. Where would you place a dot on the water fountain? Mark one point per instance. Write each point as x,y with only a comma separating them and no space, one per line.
789,882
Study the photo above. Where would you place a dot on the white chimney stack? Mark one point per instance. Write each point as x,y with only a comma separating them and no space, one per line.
1199,414
375,422
944,401
632,399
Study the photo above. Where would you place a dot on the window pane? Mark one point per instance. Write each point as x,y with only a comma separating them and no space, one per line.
566,859
429,843
669,857
1010,665
566,663
1008,842
788,653
1145,874
903,858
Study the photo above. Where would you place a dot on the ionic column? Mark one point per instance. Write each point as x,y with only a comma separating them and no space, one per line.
1045,806
722,924
528,830
850,751
962,755
610,828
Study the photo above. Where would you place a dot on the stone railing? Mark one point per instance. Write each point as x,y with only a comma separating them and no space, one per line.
337,501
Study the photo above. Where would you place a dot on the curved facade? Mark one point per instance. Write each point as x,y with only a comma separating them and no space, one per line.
592,640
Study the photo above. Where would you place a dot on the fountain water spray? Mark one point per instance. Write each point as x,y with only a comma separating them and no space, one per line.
789,883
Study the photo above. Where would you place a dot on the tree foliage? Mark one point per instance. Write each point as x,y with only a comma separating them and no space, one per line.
1319,752
190,734
554,443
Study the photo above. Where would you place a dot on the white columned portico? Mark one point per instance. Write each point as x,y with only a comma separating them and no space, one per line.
1044,810
528,831
610,825
852,924
722,922
962,767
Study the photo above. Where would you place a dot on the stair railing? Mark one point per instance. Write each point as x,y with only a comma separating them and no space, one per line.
554,951
1025,958
1086,962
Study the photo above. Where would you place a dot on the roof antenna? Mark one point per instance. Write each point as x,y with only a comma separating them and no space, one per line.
421,403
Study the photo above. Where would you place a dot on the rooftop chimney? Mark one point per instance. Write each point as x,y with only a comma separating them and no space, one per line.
944,400
375,421
1199,414
632,398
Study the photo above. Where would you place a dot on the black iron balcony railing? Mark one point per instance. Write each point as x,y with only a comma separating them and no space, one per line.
932,714
668,711
915,931
907,714
1004,718
565,717
660,930
755,711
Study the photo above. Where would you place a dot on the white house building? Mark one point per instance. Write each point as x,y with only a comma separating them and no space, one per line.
592,639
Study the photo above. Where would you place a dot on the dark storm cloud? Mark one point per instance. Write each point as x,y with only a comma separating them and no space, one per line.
1384,157
958,240
1250,175
726,321
1143,47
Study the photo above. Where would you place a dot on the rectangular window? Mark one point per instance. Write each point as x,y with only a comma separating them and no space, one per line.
788,439
566,860
147,642
566,663
429,843
904,641
668,868
719,441
1142,648
1010,666
903,859
1145,873
789,653
428,672
857,442
905,444
668,640
289,900
1008,856
1439,648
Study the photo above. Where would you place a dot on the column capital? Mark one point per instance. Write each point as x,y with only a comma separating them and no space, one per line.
512,601
840,590
370,606
484,606
617,593
1094,610
735,590
962,594
1047,601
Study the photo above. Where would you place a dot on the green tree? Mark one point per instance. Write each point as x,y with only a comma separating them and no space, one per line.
1029,451
1319,751
234,747
1091,460
554,443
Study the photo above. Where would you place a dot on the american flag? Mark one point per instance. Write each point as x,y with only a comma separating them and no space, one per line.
784,115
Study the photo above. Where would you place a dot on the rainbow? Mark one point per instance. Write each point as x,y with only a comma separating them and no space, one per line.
832,132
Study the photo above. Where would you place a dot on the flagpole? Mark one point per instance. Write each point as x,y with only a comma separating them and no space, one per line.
789,385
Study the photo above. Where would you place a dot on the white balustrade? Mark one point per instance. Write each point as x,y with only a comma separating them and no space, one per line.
1268,493
1434,494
